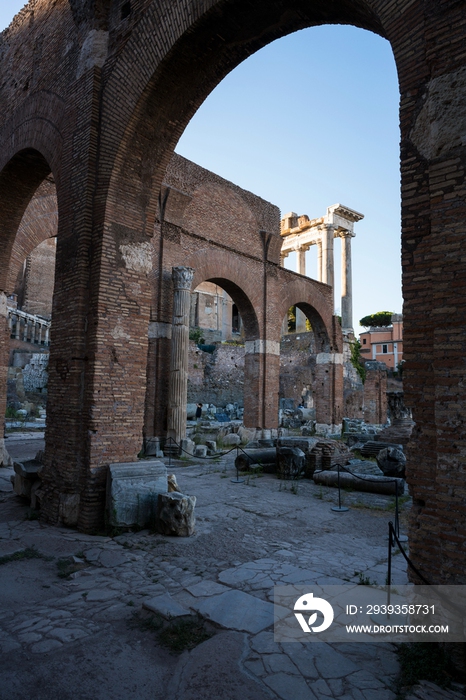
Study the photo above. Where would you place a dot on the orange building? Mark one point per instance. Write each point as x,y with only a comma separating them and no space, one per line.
384,344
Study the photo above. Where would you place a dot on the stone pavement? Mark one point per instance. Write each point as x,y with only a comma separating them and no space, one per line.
249,537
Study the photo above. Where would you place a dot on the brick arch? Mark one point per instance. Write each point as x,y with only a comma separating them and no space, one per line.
231,272
304,294
164,88
19,180
37,124
39,222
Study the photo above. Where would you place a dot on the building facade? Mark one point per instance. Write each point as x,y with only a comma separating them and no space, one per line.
384,344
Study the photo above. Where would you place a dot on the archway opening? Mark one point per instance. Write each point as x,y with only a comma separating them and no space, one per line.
221,374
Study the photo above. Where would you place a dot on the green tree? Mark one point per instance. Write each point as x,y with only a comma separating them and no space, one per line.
356,360
381,318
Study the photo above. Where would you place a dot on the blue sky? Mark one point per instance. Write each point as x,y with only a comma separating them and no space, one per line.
309,121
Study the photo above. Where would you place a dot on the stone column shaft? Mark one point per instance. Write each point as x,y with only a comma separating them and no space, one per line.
319,260
301,269
327,256
178,386
346,284
301,261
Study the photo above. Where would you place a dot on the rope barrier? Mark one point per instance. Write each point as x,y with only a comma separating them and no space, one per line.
392,536
223,454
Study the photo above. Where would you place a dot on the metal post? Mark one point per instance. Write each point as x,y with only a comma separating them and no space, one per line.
339,508
389,573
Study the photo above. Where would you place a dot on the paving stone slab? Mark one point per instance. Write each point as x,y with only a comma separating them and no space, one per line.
290,687
101,594
68,634
113,559
45,646
165,605
330,663
236,610
212,671
206,588
264,643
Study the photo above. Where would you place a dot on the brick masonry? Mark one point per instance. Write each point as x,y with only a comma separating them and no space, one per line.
99,98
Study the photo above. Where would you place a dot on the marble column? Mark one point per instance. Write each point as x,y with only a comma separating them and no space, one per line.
327,255
301,261
301,269
346,283
178,387
319,260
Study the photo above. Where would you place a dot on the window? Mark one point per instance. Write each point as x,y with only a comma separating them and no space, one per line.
364,341
384,349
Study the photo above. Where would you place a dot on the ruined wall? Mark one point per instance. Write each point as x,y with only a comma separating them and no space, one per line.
231,238
353,391
375,393
297,368
216,377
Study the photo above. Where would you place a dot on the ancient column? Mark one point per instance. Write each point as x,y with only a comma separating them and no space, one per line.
178,387
346,283
301,261
319,260
327,255
301,269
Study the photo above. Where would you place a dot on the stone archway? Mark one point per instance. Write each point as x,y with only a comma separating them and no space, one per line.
112,111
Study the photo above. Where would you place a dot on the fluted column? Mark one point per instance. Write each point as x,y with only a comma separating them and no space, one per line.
17,327
178,387
346,284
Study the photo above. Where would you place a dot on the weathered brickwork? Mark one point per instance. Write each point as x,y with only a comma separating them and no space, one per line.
99,98
215,227
216,377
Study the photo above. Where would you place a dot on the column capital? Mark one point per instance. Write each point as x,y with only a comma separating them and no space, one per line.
182,277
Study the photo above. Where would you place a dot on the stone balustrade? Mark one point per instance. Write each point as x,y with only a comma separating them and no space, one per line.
28,327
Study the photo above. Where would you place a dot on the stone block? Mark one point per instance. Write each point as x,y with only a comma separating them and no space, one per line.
246,434
392,461
290,462
187,447
231,440
172,484
152,448
5,459
165,606
200,451
211,445
26,473
306,444
175,514
191,410
68,509
132,491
